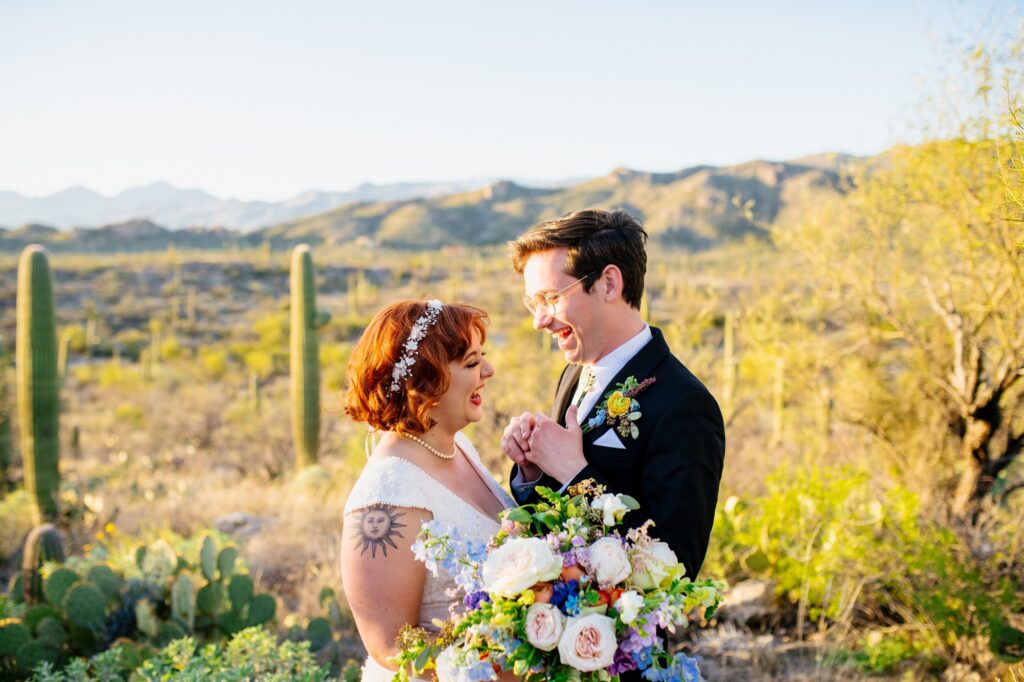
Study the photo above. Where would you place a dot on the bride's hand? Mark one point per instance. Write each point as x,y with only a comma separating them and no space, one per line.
515,442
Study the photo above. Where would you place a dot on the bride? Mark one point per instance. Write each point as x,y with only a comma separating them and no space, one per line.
418,373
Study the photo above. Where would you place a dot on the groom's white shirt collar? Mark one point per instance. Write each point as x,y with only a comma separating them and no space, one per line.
607,367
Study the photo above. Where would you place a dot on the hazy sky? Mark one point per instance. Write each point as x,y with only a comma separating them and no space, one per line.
263,100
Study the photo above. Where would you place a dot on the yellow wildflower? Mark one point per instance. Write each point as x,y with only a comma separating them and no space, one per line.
618,404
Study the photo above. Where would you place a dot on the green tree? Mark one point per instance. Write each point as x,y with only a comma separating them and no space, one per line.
927,253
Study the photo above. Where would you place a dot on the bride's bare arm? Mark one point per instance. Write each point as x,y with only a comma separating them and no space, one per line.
383,580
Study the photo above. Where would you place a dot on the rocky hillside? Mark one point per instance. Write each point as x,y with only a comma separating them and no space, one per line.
697,207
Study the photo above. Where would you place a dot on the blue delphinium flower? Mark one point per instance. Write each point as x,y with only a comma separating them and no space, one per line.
642,658
681,668
479,672
571,607
686,668
562,593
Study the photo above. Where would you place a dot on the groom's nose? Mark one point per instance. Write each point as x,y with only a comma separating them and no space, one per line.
541,318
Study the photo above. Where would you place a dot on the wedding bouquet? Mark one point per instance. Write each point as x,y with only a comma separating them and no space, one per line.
558,594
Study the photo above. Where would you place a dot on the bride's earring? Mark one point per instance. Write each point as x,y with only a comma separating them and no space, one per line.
370,442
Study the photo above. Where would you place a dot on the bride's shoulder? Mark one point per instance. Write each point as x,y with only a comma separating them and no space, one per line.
390,479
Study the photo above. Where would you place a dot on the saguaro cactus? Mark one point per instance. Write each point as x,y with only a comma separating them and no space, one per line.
305,360
38,382
44,543
5,423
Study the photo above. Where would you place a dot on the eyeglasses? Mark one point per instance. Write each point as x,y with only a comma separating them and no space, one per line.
548,302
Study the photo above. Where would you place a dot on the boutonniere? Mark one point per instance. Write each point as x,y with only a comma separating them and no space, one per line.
620,408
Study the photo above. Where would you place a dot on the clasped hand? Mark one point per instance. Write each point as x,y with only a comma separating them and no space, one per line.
538,444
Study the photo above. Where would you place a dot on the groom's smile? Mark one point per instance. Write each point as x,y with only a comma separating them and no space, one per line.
570,321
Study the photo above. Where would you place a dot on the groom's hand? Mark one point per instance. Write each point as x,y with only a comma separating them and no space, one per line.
515,442
556,450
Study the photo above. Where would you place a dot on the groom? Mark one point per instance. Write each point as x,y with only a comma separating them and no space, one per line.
584,278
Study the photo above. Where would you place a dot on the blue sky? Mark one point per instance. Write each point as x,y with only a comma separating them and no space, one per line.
264,100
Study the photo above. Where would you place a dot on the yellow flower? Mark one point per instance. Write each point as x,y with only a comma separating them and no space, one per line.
110,528
618,404
527,597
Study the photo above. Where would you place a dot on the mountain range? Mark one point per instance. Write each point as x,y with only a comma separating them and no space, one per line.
697,207
175,208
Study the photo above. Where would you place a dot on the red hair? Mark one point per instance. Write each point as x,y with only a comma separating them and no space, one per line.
368,374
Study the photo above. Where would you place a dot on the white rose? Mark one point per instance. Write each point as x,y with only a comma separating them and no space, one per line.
628,605
612,507
608,561
653,566
520,564
588,643
544,625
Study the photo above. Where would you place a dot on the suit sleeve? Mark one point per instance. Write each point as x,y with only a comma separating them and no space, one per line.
682,468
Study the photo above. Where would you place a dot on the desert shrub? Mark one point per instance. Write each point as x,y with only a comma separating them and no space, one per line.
15,522
252,654
171,349
130,415
818,533
214,362
841,549
111,374
259,361
333,360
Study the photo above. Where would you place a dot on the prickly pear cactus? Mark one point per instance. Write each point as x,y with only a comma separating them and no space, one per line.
183,601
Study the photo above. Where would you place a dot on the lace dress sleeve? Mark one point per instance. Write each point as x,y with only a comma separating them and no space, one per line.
391,481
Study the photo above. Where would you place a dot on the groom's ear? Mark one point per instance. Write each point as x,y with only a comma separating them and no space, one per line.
609,285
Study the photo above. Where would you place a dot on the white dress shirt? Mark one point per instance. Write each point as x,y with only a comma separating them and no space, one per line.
604,371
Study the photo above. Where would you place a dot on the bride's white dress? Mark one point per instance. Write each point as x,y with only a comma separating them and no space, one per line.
399,482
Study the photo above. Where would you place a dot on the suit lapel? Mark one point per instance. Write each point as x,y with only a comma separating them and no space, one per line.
639,366
566,387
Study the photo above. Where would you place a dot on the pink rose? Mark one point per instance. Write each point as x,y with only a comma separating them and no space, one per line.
588,642
544,624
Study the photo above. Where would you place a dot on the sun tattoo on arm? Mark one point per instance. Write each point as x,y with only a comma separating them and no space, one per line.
375,527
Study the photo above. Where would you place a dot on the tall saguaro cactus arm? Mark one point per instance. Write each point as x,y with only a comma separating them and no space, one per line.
305,360
38,382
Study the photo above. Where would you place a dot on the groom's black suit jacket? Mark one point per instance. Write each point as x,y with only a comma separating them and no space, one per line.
673,467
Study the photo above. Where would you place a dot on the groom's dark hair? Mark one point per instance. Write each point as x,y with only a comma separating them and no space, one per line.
594,239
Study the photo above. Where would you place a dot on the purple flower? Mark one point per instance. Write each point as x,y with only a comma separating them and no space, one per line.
623,662
473,600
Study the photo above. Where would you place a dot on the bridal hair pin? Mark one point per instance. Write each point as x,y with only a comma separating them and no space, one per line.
403,368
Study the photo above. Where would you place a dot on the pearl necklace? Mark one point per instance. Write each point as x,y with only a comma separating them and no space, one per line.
431,448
